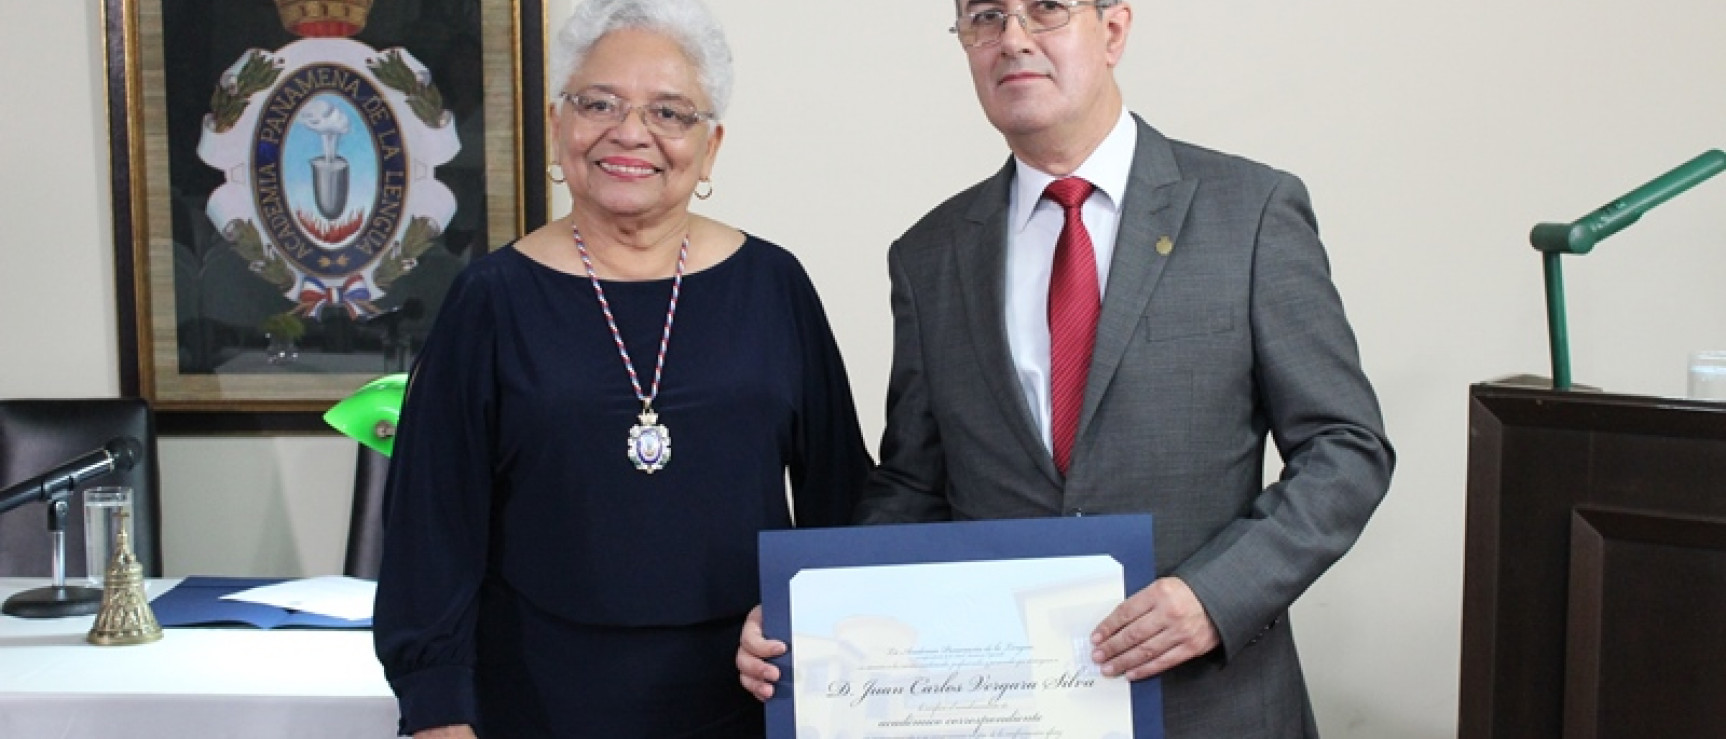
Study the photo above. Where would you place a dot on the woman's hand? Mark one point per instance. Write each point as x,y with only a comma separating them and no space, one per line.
462,731
753,651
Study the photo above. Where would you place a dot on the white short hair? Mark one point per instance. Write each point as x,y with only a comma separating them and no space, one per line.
688,22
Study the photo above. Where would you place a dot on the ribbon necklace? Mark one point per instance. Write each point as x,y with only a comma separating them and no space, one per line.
649,442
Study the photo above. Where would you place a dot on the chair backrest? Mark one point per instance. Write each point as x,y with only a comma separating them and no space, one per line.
36,436
366,524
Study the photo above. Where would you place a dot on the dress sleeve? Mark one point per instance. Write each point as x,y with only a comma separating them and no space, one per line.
437,514
830,461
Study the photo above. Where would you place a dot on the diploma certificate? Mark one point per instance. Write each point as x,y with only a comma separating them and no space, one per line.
974,629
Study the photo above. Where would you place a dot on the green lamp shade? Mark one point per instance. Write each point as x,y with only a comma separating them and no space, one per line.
369,416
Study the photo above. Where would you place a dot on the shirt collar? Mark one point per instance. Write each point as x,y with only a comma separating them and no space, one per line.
1107,169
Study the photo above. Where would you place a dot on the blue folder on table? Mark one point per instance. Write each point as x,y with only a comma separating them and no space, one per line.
197,601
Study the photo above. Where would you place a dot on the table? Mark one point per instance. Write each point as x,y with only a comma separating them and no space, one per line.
213,683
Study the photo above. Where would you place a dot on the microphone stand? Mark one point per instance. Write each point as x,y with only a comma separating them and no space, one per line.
56,599
1553,240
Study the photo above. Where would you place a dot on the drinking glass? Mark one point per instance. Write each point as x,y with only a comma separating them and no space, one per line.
1708,375
103,508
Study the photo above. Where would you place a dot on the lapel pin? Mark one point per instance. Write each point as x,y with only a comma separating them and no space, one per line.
1164,245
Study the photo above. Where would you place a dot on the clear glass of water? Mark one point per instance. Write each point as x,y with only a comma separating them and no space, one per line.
103,506
1708,375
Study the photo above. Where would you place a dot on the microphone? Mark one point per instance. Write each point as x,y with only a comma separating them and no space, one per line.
1580,236
118,455
1554,240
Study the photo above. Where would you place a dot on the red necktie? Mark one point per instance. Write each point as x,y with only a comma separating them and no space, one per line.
1074,302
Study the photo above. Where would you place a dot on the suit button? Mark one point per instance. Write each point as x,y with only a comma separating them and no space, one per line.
1263,631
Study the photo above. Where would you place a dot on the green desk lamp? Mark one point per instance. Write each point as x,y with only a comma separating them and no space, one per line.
369,416
1554,240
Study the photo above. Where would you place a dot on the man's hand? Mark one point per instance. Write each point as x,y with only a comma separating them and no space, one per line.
753,651
1151,632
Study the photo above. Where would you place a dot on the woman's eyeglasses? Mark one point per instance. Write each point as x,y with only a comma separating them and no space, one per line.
668,118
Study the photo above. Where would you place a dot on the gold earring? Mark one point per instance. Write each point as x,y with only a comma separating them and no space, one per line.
555,172
699,195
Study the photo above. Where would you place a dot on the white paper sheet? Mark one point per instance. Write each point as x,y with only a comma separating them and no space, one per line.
336,595
958,649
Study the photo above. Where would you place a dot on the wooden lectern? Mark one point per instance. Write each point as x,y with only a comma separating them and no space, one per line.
1594,595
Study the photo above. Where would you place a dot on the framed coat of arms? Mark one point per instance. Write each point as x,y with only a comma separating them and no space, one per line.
296,183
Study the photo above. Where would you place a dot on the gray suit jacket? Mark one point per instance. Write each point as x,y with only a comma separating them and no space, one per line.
1235,332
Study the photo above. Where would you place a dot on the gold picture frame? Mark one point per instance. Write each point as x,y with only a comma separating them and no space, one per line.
261,278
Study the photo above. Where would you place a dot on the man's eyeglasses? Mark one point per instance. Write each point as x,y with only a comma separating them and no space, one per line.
668,118
984,27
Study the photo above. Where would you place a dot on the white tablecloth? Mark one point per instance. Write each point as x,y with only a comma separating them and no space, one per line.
194,683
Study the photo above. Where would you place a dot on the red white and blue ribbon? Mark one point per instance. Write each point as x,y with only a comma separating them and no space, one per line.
617,336
314,295
354,296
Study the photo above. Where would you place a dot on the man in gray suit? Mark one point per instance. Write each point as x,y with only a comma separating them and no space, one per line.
1207,321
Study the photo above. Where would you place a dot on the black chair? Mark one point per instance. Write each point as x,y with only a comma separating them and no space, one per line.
36,436
366,524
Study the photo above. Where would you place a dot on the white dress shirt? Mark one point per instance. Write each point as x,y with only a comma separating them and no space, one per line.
1033,225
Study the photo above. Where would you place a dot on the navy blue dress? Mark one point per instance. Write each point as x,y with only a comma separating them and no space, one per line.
534,583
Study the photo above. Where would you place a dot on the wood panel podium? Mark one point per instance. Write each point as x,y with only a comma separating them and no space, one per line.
1594,595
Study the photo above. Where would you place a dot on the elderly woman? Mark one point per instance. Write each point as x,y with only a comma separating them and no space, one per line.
603,419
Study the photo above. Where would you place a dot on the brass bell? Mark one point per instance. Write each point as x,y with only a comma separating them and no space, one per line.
125,617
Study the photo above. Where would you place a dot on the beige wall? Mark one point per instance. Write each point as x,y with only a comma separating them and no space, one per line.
1432,136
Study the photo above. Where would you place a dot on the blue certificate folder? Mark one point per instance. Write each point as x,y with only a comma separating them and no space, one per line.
197,601
1126,538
